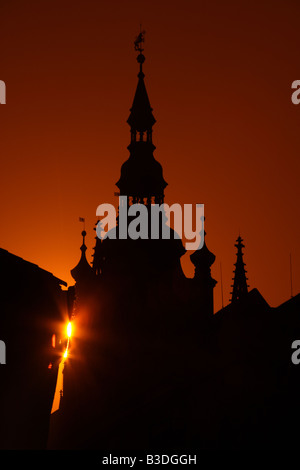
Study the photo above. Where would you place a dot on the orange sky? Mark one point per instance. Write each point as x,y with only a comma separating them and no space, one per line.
219,78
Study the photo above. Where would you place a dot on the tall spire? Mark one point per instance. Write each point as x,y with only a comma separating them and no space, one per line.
240,286
141,119
141,175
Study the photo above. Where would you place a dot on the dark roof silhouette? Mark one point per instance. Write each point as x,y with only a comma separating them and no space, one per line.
6,256
252,299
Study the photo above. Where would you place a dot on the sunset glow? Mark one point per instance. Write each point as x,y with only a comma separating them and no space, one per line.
69,329
214,130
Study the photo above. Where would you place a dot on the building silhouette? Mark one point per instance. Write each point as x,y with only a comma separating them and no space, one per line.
33,309
151,366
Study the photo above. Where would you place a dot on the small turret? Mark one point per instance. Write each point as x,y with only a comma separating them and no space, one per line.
83,271
240,286
203,259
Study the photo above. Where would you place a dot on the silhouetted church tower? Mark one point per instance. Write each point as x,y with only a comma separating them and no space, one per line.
141,181
240,287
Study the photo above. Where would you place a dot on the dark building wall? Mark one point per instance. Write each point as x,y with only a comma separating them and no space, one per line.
32,308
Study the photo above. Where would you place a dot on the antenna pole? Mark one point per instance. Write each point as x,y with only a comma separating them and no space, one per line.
291,275
221,284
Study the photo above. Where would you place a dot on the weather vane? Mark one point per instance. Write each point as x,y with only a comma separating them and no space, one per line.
139,40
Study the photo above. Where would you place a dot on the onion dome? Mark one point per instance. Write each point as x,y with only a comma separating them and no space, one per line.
83,270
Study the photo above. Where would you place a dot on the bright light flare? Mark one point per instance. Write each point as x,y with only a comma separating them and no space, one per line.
69,332
69,329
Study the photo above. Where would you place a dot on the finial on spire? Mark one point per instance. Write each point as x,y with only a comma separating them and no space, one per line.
138,43
139,40
82,219
83,234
